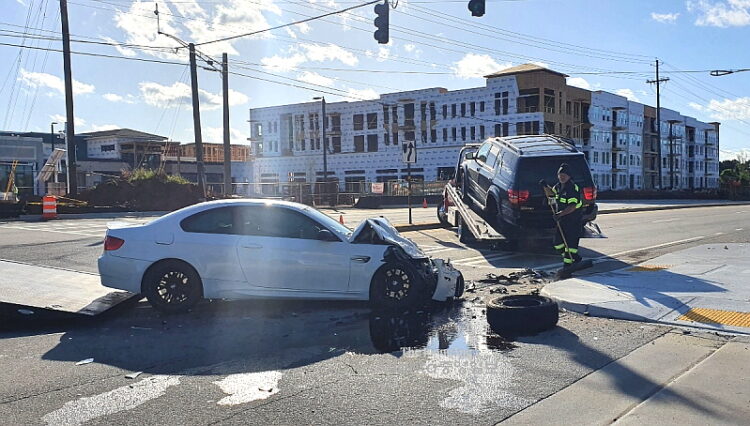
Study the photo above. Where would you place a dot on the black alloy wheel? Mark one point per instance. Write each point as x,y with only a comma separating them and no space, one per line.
396,286
172,287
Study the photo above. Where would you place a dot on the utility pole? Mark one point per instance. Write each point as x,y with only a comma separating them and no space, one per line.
227,147
197,122
658,82
70,126
52,138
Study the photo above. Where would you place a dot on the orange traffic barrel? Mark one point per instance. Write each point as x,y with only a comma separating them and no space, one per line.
341,219
49,207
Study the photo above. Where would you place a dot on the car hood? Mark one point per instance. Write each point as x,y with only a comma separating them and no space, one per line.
388,234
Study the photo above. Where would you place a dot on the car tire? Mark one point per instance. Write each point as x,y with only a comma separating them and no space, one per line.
396,285
442,215
460,286
522,314
172,286
491,212
464,234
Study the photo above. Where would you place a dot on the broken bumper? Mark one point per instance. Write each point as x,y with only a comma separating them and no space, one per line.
450,282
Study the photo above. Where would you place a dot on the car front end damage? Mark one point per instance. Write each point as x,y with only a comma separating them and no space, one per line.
438,278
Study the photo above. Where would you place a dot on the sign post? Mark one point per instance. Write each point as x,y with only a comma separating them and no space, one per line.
409,149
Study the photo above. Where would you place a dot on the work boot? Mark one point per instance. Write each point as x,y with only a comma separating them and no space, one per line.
577,258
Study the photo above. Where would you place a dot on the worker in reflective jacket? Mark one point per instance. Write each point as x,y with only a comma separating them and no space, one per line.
569,215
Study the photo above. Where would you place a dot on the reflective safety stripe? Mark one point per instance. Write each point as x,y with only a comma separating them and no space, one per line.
573,250
579,205
567,260
572,200
575,186
559,246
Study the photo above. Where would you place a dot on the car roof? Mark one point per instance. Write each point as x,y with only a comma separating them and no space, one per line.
537,145
195,208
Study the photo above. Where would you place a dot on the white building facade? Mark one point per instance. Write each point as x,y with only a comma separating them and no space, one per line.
365,138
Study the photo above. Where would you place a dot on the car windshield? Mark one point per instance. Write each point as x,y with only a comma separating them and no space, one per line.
329,222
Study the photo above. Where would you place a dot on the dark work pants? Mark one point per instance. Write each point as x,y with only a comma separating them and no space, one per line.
571,228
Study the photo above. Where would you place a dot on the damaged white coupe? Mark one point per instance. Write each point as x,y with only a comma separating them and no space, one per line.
256,248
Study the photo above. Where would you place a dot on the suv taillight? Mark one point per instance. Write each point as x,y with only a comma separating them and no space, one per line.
112,243
519,196
589,193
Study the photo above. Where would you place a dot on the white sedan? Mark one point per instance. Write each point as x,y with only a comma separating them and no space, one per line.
255,248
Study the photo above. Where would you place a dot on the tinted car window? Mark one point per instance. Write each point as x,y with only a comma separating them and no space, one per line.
483,151
280,222
215,221
532,169
492,156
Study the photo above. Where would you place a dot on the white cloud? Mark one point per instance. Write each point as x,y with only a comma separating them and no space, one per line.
362,94
304,27
178,93
541,64
80,122
726,109
473,65
290,32
315,78
283,63
628,93
113,97
330,52
730,13
99,128
579,82
40,79
665,18
125,51
695,106
740,154
383,54
216,135
409,47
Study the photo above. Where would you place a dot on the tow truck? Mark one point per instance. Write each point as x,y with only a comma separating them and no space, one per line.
456,211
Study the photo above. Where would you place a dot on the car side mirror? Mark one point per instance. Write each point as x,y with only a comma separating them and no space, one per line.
470,156
326,235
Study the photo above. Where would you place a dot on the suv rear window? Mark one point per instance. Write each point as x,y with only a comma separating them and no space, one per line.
531,170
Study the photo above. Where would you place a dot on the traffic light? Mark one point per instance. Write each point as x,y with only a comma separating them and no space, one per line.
381,22
476,7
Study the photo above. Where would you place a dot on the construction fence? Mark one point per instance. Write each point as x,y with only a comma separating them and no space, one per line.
334,193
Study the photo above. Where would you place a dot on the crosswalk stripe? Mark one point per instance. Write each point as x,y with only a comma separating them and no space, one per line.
478,260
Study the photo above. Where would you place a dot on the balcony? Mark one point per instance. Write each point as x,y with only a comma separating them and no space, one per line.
617,147
286,152
619,168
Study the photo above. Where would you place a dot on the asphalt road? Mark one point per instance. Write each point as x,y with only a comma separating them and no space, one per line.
303,362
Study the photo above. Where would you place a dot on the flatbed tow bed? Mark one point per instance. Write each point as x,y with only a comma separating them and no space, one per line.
40,293
471,226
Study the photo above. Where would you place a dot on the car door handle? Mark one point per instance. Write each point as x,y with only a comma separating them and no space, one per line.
361,259
251,246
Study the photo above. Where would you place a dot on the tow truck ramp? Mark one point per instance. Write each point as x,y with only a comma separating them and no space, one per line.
31,292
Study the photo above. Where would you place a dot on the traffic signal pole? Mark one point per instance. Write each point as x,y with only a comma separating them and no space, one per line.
69,117
197,123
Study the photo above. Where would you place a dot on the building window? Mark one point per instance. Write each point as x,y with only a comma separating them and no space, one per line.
358,120
433,135
445,112
433,113
385,115
394,115
359,143
453,110
463,110
498,130
463,133
453,134
387,138
473,108
473,133
372,121
445,135
372,143
408,115
481,106
336,144
107,148
481,132
395,138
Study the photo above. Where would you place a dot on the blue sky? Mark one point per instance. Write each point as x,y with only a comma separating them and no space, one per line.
433,44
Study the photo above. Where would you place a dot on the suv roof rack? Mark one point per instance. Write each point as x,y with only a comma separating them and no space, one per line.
559,141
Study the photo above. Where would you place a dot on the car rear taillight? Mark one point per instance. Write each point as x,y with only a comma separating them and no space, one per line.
446,200
112,243
589,193
519,196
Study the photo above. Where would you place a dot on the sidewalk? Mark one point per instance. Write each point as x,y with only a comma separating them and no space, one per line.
677,379
703,286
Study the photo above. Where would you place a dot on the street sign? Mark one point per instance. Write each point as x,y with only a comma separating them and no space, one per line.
409,149
378,187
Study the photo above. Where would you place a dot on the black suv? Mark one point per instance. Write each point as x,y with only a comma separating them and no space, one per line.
502,179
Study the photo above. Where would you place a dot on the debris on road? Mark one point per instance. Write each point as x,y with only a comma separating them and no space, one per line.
85,361
25,312
133,375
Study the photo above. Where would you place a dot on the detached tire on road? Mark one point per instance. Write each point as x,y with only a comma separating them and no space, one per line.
522,314
172,286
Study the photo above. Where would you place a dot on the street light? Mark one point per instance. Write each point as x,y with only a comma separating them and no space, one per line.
719,73
322,100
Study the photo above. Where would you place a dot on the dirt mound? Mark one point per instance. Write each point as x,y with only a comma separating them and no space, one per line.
143,190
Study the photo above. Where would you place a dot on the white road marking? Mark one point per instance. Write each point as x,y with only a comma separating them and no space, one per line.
478,260
246,387
664,220
739,229
719,233
120,399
